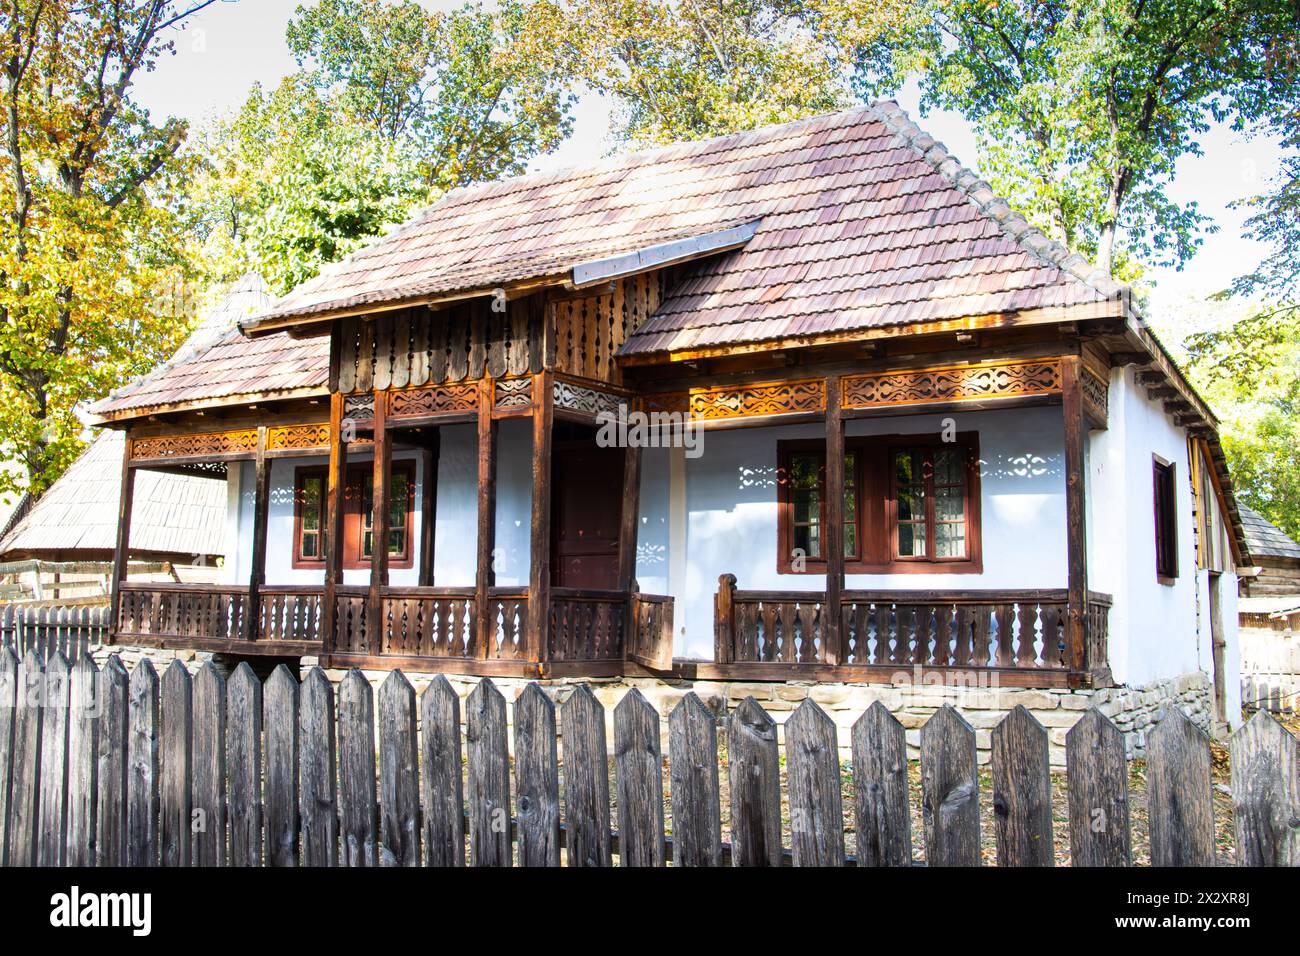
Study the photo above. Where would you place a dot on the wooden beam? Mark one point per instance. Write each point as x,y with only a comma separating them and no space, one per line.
1076,537
121,552
381,491
833,533
429,506
336,482
484,576
539,545
261,514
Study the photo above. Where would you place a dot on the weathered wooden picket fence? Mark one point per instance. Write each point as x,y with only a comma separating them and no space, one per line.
52,629
110,768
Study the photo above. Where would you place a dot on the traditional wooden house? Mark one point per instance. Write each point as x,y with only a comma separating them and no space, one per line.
808,402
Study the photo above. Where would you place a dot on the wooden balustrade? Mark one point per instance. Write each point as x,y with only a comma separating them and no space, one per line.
428,622
290,613
587,625
162,613
650,639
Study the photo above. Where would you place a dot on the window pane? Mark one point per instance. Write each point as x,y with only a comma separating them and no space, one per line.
807,507
947,466
850,539
311,504
397,502
911,540
905,509
950,540
949,504
807,538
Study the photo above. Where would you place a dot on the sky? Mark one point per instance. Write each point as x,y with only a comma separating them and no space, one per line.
228,47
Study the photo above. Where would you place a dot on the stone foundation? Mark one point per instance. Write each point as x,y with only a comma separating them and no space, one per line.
1135,710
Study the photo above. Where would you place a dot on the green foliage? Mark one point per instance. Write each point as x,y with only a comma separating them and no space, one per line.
1275,221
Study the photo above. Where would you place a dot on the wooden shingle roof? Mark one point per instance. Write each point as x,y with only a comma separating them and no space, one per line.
863,221
1265,539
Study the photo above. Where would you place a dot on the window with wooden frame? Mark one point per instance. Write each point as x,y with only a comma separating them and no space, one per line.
1166,517
310,484
911,505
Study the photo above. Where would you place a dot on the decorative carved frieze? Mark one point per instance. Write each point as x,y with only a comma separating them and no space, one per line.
512,393
577,398
952,383
439,400
359,407
1096,397
772,398
198,445
287,437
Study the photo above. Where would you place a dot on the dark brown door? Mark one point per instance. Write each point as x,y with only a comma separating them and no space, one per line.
586,491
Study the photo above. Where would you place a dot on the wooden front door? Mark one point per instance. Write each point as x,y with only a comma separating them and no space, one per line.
586,493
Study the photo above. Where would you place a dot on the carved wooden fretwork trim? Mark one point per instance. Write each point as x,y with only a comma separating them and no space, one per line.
198,445
577,398
952,383
771,398
1096,398
286,437
672,402
359,407
512,393
440,400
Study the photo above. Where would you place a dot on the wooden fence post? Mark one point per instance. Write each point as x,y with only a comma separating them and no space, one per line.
489,776
880,788
357,800
816,806
586,780
244,764
724,622
142,772
537,779
441,788
53,837
1180,814
8,711
638,778
399,773
24,802
209,788
1022,791
1265,762
697,808
950,788
177,765
755,769
85,705
1097,781
318,803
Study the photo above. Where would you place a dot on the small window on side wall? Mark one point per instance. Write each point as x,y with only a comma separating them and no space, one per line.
1166,515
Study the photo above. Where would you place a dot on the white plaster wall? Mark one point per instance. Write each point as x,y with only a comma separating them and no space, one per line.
730,511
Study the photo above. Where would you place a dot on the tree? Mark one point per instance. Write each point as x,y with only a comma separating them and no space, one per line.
1276,222
86,243
697,68
1082,107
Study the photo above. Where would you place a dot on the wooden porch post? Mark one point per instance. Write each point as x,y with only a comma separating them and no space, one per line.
1076,537
629,523
539,543
336,482
833,537
380,492
484,576
261,512
429,506
121,551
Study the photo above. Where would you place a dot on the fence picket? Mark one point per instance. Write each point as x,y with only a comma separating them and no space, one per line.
208,847
8,711
1097,784
950,790
489,776
1180,814
1022,791
177,766
1265,761
357,800
586,780
755,775
24,818
112,765
317,795
399,773
142,774
53,837
816,806
284,725
537,779
442,793
244,766
83,757
880,789
693,763
638,779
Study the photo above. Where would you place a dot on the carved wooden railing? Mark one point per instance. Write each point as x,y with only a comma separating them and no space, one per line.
507,617
153,612
650,639
959,629
351,621
587,625
290,613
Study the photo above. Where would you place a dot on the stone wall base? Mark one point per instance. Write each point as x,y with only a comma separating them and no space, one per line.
1135,710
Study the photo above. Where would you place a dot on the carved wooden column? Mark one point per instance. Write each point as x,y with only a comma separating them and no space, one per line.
629,523
724,620
539,544
121,551
1076,537
833,533
336,483
484,576
380,493
261,513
